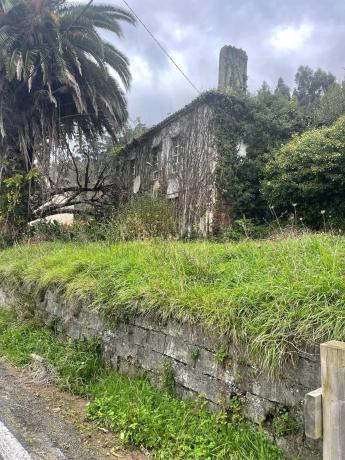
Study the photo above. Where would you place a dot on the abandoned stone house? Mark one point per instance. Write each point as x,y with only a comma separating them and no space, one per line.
178,156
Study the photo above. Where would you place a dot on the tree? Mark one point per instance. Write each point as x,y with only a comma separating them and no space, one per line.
80,176
269,120
310,86
130,132
282,89
309,172
58,77
331,105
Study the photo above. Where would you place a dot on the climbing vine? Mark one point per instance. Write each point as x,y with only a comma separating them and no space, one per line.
231,119
261,123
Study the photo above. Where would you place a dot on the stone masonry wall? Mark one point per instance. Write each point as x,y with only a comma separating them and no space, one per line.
201,365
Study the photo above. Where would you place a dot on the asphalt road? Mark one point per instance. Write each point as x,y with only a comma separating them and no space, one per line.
10,447
30,429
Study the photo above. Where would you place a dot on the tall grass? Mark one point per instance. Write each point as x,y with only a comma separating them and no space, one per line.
274,298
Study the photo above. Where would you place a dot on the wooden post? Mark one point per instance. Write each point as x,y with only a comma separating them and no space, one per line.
313,414
333,399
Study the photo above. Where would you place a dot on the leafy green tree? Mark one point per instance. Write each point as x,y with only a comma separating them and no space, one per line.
268,121
309,172
130,132
282,89
310,86
331,105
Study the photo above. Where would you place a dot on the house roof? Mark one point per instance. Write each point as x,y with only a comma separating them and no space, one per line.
206,97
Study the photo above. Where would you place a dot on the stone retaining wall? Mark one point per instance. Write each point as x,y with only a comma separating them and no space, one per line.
199,363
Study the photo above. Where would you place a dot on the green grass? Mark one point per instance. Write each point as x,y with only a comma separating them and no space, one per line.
78,363
275,297
141,415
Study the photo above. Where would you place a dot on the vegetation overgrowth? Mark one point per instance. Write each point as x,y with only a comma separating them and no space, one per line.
308,172
142,416
272,298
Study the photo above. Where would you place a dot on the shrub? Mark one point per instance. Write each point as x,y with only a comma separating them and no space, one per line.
285,424
8,235
310,171
46,231
81,231
243,229
144,217
171,429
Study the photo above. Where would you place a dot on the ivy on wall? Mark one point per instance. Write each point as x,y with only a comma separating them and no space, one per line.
263,123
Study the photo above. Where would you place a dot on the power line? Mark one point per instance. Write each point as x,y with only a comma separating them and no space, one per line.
162,47
83,11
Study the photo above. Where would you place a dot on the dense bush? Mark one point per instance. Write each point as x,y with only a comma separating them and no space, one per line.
81,231
244,229
262,123
308,173
143,217
8,234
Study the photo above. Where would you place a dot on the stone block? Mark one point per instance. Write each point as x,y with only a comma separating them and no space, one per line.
148,323
191,334
140,336
179,350
257,409
207,386
206,363
156,341
307,373
149,359
128,367
292,446
281,391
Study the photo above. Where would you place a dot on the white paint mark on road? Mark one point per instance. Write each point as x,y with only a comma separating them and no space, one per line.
10,448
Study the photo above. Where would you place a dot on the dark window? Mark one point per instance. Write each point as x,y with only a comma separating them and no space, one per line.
156,152
132,166
175,153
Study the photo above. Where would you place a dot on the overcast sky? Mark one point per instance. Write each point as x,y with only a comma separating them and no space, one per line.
278,36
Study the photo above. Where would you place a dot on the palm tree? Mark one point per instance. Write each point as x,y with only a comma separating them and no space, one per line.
58,76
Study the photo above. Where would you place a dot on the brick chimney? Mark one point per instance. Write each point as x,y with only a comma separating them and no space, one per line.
232,77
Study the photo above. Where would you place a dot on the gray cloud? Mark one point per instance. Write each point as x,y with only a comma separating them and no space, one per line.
277,36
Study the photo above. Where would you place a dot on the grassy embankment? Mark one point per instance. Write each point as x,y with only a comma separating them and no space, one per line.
141,415
273,297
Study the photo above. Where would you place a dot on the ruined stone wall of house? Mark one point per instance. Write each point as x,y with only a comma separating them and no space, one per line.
178,161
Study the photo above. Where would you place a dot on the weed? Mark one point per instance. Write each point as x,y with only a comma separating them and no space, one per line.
144,217
235,409
221,355
167,377
195,354
285,424
78,362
